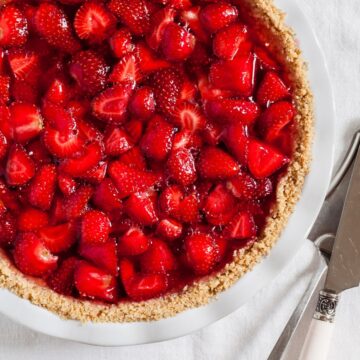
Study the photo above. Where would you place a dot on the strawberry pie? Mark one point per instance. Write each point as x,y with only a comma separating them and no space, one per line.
151,151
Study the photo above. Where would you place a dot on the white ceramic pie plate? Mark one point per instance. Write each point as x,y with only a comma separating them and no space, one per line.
41,320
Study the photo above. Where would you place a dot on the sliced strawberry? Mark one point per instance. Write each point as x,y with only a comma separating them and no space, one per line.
4,89
32,219
97,174
216,16
141,208
52,23
76,204
157,140
227,41
177,43
236,139
111,105
126,70
88,131
7,229
19,167
264,160
208,91
215,163
26,121
271,89
83,162
233,111
181,167
135,14
121,43
167,85
94,22
42,188
158,258
275,118
169,229
13,27
129,180
106,196
58,92
102,255
159,21
89,70
189,91
142,104
94,283
191,19
134,158
95,227
219,206
190,117
133,242
32,257
62,279
235,75
117,141
202,253
24,65
148,61
266,61
186,139
242,226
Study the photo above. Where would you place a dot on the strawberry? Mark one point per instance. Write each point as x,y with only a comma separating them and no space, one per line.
266,61
158,258
208,91
26,121
202,253
58,92
227,41
189,91
32,219
275,118
4,89
59,118
219,206
52,23
21,91
181,167
7,229
129,180
135,14
24,65
191,19
95,227
3,145
214,17
96,175
19,167
235,137
62,279
233,111
167,85
102,255
134,158
236,75
13,27
159,22
94,22
8,197
133,242
271,89
88,130
134,128
106,196
142,103
42,187
212,132
264,160
125,71
177,43
58,238
32,257
186,139
116,141
215,163
76,204
242,226
148,60
141,208
111,105
82,162
169,229
121,43
89,70
190,117
94,283
157,140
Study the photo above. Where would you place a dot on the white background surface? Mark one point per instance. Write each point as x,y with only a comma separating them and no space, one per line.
251,332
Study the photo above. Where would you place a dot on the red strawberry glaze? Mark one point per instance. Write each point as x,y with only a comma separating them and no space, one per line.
141,144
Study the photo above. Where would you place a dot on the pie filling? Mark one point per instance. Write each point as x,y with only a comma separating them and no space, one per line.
141,142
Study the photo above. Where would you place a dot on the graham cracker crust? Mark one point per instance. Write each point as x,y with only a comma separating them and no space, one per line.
269,21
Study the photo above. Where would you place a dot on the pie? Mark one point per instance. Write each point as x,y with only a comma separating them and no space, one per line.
151,151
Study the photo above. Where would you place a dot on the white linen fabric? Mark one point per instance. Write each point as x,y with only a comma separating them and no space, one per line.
251,332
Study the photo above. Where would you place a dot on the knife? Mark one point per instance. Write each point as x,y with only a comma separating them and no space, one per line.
343,272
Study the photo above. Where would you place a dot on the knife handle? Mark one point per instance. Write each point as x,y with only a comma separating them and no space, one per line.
318,339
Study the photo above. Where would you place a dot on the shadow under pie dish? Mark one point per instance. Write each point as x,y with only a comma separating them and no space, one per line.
174,178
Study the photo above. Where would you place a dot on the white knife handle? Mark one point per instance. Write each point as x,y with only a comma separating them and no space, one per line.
318,339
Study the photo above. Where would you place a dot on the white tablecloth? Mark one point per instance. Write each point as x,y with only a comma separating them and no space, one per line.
251,332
